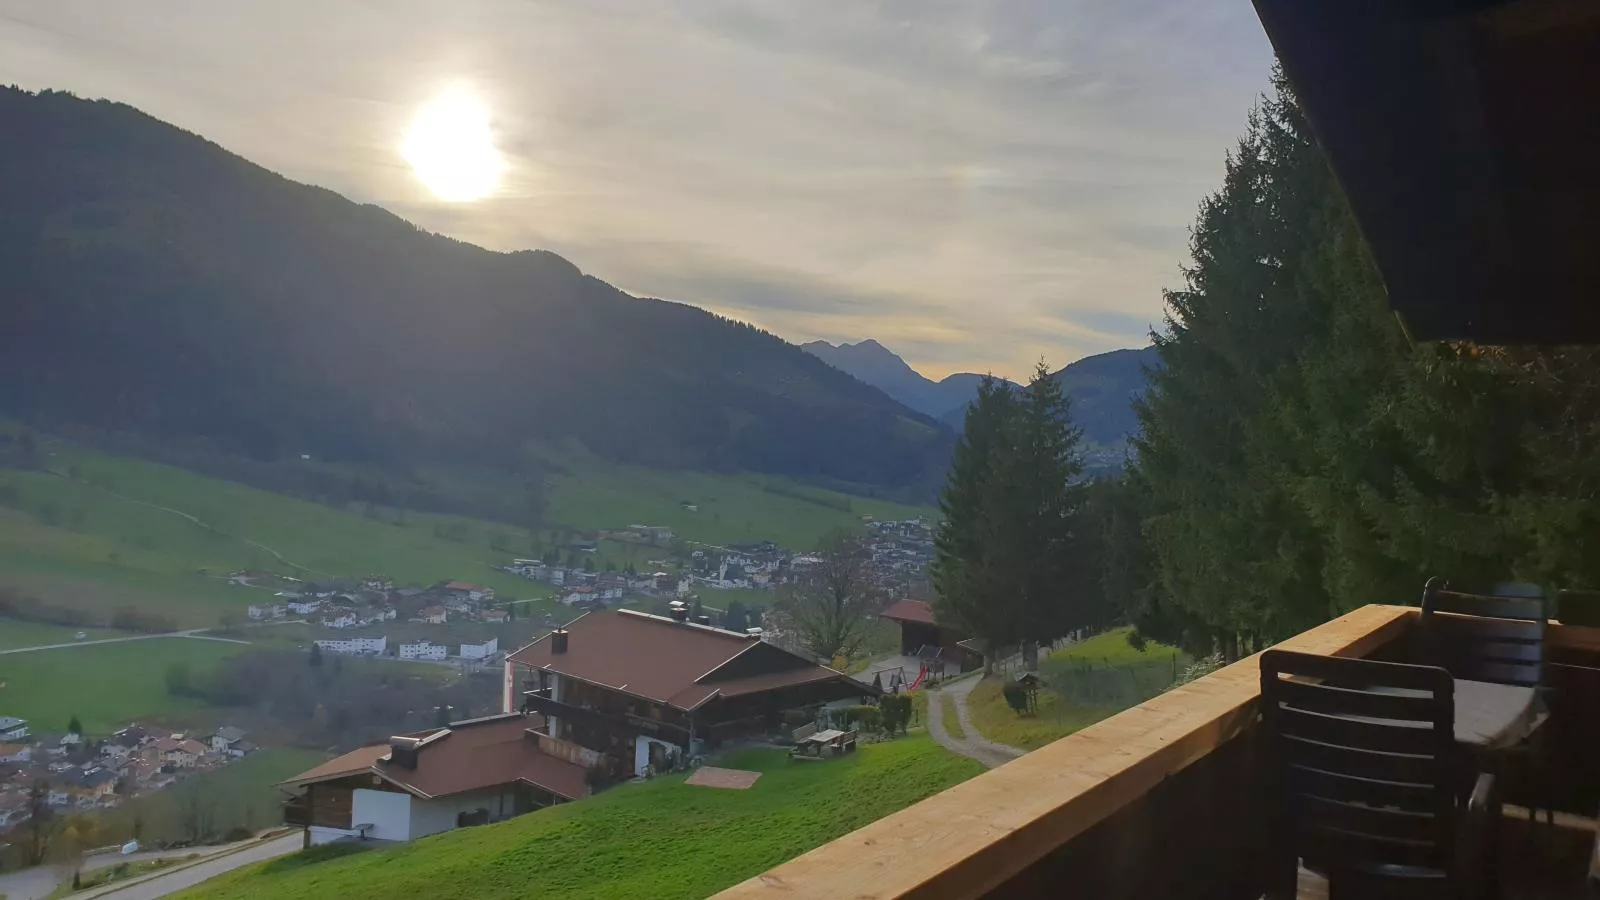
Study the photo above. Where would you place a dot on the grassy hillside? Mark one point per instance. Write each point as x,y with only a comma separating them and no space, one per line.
662,839
1083,683
106,531
105,685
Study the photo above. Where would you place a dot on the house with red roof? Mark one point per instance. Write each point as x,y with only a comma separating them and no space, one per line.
466,590
645,692
466,773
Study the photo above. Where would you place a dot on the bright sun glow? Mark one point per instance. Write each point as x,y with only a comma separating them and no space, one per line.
451,149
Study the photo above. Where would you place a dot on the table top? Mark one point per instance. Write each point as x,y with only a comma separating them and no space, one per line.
823,737
1490,716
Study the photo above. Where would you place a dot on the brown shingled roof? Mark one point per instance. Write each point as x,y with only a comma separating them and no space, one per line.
910,611
648,656
660,659
469,756
357,760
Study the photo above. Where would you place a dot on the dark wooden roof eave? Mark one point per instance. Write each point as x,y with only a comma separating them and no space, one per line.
1464,134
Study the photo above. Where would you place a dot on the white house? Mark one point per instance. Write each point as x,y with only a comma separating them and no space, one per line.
226,737
434,615
480,651
423,650
470,773
13,728
15,753
355,646
304,607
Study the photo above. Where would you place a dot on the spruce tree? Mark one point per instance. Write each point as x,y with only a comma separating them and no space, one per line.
1008,565
967,577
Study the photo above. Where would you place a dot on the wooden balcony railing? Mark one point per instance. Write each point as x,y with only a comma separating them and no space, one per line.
1160,800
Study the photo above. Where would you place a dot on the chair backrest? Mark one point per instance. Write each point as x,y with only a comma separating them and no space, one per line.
1485,637
1362,758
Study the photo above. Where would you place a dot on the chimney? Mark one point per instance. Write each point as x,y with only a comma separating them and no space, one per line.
680,611
403,751
558,640
702,620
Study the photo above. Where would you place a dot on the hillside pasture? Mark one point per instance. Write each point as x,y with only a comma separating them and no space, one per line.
661,839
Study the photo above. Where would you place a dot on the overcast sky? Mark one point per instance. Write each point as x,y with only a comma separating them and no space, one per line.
975,183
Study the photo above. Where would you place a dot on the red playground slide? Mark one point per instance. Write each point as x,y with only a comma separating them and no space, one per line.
922,675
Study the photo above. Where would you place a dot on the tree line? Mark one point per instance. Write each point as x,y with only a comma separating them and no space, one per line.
1299,456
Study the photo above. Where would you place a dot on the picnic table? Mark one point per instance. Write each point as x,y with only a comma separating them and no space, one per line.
820,744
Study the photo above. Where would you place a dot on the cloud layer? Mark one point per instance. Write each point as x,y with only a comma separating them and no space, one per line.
975,183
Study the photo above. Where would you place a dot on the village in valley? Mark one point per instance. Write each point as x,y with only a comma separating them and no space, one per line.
900,552
74,772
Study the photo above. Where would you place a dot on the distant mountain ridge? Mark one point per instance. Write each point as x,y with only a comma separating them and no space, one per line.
882,368
156,284
1102,387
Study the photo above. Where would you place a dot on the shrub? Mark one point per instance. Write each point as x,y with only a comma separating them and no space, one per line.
895,710
867,718
1016,697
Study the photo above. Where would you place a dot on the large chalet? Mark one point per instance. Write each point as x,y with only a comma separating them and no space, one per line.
647,691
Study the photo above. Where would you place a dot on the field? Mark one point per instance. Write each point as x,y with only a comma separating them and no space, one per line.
589,493
105,685
1083,683
121,531
661,839
14,634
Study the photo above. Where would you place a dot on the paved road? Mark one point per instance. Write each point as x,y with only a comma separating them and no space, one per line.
38,882
188,876
197,634
973,745
32,884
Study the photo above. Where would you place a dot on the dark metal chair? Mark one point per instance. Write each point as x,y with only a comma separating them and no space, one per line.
1482,637
1498,637
1363,767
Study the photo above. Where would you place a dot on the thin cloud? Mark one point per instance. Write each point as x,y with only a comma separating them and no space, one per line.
976,183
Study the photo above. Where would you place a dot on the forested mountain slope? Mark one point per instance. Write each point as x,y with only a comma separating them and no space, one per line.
159,285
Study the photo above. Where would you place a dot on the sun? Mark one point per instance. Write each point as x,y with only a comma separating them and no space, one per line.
451,148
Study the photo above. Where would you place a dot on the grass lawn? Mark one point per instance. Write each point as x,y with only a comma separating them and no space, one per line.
1083,683
947,709
661,839
1056,717
730,508
14,634
106,685
118,872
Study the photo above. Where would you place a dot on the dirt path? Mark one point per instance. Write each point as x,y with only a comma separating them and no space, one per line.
973,745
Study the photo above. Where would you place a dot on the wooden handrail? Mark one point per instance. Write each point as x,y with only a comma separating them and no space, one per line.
971,838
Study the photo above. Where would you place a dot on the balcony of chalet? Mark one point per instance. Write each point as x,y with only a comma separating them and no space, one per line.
1171,798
